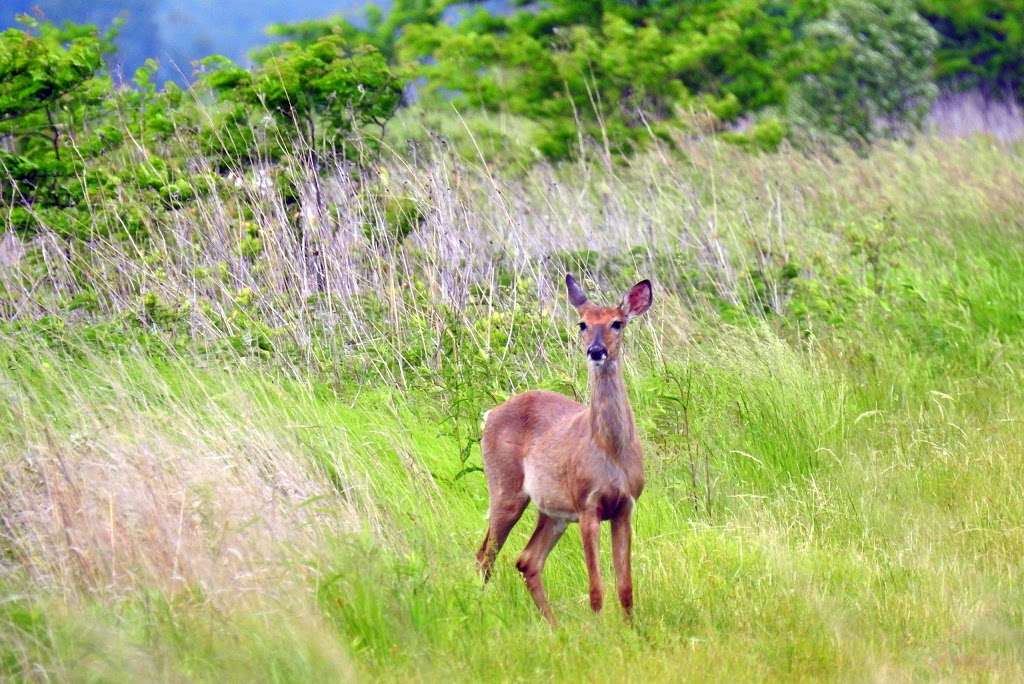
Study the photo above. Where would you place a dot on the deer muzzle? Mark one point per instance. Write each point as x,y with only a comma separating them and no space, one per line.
597,352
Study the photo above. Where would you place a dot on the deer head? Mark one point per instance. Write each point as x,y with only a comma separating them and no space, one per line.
601,327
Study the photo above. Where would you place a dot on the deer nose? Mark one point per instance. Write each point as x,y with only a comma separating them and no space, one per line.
597,352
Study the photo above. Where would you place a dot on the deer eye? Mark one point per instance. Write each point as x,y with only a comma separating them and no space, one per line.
616,325
583,326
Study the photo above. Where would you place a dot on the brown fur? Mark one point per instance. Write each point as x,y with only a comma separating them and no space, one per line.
575,462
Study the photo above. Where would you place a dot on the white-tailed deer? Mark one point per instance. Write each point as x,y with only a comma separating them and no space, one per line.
576,463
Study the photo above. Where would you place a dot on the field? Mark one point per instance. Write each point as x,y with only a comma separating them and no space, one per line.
234,452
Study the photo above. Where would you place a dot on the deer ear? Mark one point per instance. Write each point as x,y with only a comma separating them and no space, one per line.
576,296
638,299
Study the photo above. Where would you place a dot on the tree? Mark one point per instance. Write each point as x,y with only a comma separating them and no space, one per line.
52,81
317,94
137,38
382,30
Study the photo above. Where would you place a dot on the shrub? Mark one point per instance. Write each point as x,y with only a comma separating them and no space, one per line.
872,72
611,71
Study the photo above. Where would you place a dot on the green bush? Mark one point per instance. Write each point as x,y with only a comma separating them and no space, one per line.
611,71
871,75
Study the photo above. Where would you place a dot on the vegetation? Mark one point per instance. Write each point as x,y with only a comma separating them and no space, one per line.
51,87
248,331
623,72
263,462
875,80
982,43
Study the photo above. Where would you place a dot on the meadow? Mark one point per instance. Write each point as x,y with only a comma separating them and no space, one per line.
237,451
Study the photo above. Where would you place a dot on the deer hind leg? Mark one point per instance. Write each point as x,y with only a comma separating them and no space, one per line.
502,518
531,561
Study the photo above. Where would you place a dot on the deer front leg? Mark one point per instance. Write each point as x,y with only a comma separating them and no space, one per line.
621,541
590,529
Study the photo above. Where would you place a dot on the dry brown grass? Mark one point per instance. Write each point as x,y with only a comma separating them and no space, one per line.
175,498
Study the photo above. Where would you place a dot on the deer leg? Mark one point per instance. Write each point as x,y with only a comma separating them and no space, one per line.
621,538
531,561
590,529
502,518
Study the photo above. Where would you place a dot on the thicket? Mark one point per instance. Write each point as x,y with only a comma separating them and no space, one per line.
624,72
82,156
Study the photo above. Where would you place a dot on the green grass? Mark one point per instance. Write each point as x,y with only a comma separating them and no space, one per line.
834,492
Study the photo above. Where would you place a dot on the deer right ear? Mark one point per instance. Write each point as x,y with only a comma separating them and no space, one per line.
638,299
576,296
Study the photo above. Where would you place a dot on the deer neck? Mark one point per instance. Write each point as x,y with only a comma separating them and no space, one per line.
611,419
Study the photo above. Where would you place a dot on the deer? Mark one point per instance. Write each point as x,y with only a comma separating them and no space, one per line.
575,462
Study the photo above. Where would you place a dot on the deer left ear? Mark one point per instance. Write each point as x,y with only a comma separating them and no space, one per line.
638,299
576,296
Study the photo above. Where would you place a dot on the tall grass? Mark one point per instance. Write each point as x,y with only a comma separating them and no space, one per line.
230,459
